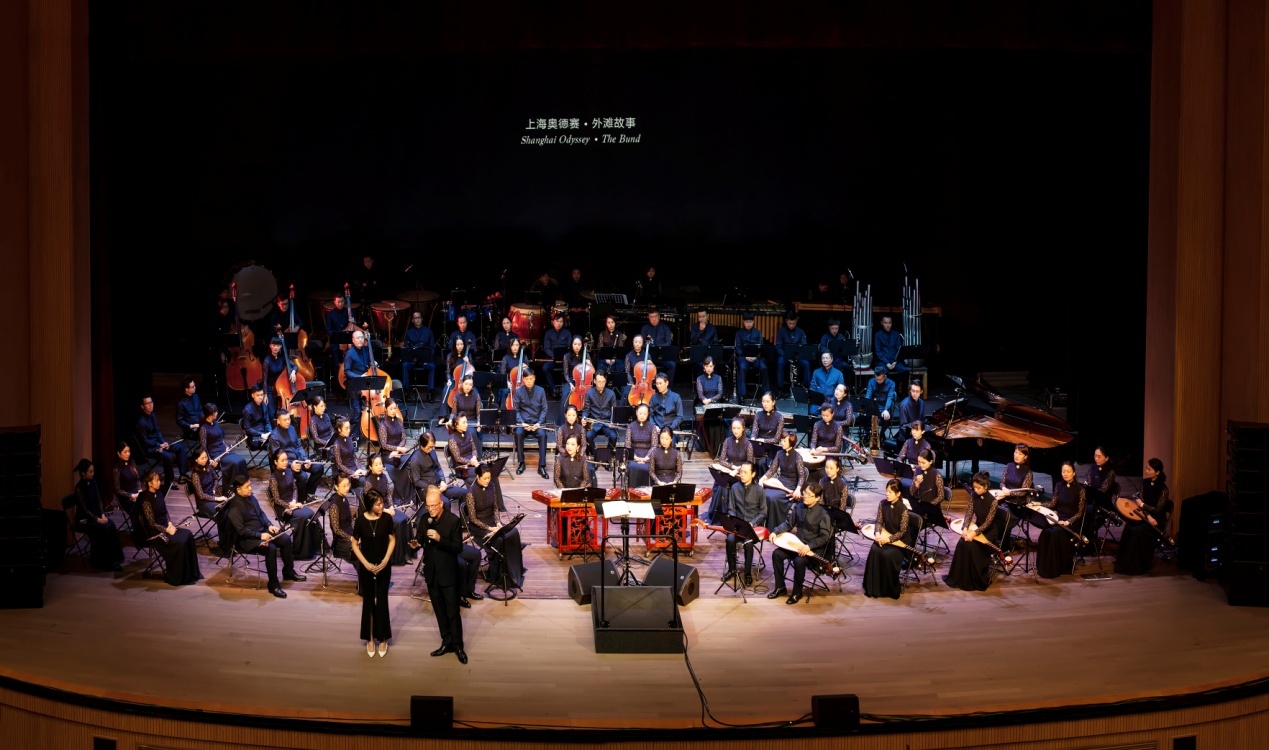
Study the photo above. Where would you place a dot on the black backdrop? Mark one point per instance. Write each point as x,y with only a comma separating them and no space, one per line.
1010,178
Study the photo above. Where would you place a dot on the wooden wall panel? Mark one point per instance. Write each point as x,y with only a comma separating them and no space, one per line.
14,207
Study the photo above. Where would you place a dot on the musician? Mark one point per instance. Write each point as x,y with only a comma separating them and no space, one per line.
597,406
1017,475
1055,555
912,408
768,426
833,486
125,479
274,365
502,341
826,435
344,452
656,333
748,336
555,343
827,379
641,438
391,427
610,338
709,387
321,432
665,406
467,404
735,450
574,290
288,506
1101,475
104,550
510,361
461,448
420,346
530,401
461,332
154,528
339,516
744,499
881,390
189,410
704,333
285,439
971,560
481,506
810,522
1138,543
459,354
834,334
573,358
913,446
211,438
927,482
423,469
886,344
667,463
339,318
441,536
279,318
570,467
633,357
368,279
374,546
152,441
357,363
255,419
548,287
885,558
784,479
378,480
790,335
209,490
570,427
843,409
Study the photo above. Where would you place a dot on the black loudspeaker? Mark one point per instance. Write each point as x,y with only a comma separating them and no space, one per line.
431,713
584,576
661,573
840,712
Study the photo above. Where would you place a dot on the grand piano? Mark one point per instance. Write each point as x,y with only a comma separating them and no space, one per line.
979,424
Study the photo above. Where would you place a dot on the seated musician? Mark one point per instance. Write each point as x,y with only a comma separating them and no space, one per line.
1139,541
826,435
481,514
1101,475
206,485
339,516
555,343
344,452
768,427
735,450
886,344
610,338
461,332
597,408
572,358
462,450
665,406
419,345
971,560
810,523
666,466
152,441
881,390
703,334
339,319
785,479
255,419
153,527
189,410
570,467
834,334
357,363
833,486
1018,475
321,431
790,335
912,408
502,342
1055,555
633,357
125,484
273,366
284,438
288,505
913,446
827,378
745,499
885,558
709,386
641,438
843,409
571,426
530,401
424,469
506,367
656,333
392,441
467,404
211,438
105,551
748,336
927,481
377,479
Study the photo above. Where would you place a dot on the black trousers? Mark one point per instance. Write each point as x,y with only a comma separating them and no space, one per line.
469,561
732,541
374,603
275,546
173,461
780,558
445,605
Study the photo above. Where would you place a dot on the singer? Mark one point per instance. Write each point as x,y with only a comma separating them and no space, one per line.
441,536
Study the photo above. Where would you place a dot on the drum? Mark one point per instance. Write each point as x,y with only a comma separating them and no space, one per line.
527,321
329,305
389,317
422,301
560,308
488,311
257,289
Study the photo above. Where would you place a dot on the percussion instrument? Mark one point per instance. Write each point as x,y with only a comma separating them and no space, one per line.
570,527
389,318
678,519
560,308
810,460
527,321
787,540
329,305
257,288
958,527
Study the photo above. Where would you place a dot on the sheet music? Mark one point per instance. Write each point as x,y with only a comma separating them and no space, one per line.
619,508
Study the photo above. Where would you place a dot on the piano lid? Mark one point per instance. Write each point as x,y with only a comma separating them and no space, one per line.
987,415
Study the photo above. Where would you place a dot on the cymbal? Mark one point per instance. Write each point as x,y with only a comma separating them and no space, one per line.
418,296
588,294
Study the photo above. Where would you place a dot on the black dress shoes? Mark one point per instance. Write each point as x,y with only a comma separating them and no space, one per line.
462,656
748,578
294,577
520,469
794,599
778,593
441,651
542,473
462,602
728,574
278,592
475,596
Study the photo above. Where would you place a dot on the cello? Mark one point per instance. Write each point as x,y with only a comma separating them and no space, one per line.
352,322
583,375
302,360
461,370
244,368
513,382
286,390
374,402
644,372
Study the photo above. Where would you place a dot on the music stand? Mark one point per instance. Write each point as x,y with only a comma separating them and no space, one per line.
589,496
485,381
503,583
624,558
814,400
324,561
366,383
506,418
496,467
742,530
664,354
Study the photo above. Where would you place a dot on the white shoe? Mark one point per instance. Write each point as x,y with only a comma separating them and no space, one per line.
383,649
370,649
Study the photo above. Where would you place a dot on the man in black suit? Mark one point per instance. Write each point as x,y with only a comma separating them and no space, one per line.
441,536
252,531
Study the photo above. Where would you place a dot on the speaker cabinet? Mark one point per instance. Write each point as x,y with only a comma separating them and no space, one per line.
661,573
431,713
840,712
584,576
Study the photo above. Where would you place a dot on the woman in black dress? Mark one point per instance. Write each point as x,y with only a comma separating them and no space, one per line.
1140,539
379,481
372,543
321,431
641,439
105,551
344,452
206,485
667,462
211,438
287,508
784,480
737,449
881,573
482,521
1017,475
927,482
391,427
971,561
125,480
1056,551
155,528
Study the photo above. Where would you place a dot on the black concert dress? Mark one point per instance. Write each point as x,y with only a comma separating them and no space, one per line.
1056,552
1139,541
881,572
372,538
178,550
971,561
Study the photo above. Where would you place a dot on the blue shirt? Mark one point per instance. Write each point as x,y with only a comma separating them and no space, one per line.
886,344
148,430
287,440
530,405
666,409
826,338
554,341
707,337
661,335
751,337
883,394
357,361
468,338
785,337
825,382
189,410
419,338
254,421
910,411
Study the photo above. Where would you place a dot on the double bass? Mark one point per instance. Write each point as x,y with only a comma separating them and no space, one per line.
286,390
583,375
374,401
513,381
244,368
644,372
302,360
